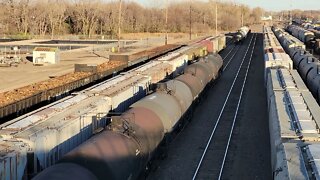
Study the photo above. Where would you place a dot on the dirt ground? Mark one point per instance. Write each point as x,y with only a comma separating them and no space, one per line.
26,73
256,28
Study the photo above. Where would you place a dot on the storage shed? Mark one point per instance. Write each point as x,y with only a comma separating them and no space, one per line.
46,55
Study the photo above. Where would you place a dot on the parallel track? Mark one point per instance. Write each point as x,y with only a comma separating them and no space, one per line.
212,161
232,57
226,56
227,51
233,52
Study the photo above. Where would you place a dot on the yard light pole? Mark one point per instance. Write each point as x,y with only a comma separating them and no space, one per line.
190,30
166,38
119,24
216,17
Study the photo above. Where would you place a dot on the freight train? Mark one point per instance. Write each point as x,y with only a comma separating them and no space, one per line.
306,64
241,34
310,37
123,151
39,139
294,116
22,100
275,56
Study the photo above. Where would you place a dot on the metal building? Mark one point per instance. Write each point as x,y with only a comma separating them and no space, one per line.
46,55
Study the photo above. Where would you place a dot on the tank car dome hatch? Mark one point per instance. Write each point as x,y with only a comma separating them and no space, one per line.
300,59
200,71
305,67
147,127
297,51
182,92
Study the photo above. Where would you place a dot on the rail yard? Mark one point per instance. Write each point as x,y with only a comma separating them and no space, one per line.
232,103
203,98
173,111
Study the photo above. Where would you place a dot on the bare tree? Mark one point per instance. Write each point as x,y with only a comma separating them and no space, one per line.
56,11
90,17
25,15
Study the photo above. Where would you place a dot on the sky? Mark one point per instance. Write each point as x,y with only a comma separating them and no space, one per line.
270,5
277,5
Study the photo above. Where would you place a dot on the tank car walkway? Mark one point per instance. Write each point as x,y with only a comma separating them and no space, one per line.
248,154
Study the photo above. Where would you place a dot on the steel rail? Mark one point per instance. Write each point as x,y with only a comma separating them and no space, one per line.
236,114
221,112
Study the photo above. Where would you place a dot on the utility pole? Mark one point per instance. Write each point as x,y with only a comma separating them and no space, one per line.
290,18
216,18
166,38
190,22
119,24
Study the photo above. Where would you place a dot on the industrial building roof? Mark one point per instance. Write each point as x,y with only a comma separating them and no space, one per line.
49,49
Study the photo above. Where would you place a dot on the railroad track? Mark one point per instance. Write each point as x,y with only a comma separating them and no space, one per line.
225,53
212,162
235,51
227,58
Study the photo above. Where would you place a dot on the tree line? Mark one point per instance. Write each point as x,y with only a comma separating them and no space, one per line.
97,17
298,14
